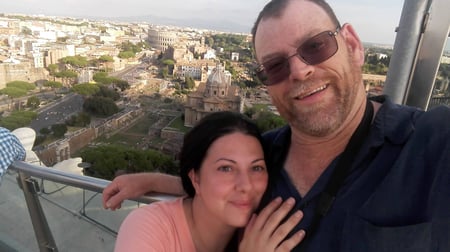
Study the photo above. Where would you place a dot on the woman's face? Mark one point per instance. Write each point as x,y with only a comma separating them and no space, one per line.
231,179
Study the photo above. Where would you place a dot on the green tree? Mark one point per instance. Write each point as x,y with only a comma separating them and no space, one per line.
21,85
53,84
33,102
108,93
121,84
105,160
13,92
68,76
45,131
106,58
75,61
267,121
52,68
86,89
18,119
126,55
190,83
26,31
59,130
100,106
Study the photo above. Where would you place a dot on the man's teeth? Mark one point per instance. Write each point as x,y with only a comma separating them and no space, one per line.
314,91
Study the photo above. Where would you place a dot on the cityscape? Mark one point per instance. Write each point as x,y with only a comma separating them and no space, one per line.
160,72
129,88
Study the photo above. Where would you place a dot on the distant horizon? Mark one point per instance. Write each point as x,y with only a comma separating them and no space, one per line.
161,21
225,26
227,16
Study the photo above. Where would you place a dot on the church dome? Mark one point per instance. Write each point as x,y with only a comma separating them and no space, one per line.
217,77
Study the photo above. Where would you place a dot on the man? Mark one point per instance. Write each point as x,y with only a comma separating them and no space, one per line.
368,175
10,150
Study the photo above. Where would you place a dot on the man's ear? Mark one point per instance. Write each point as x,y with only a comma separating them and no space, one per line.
353,43
194,180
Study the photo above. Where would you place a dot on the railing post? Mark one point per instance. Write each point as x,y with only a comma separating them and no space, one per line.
42,231
407,40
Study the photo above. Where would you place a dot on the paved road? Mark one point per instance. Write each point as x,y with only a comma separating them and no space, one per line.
58,111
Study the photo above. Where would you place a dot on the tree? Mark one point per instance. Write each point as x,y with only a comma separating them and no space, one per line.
13,92
21,85
26,31
126,55
68,76
53,84
81,120
100,106
122,85
75,61
33,102
18,119
86,89
105,160
267,121
164,72
45,131
190,83
106,58
59,130
108,93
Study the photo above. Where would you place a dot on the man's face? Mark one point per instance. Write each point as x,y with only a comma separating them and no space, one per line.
315,99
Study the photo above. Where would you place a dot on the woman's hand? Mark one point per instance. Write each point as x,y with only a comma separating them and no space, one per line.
265,232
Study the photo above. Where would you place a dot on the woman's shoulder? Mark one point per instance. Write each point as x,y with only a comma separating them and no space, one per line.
158,209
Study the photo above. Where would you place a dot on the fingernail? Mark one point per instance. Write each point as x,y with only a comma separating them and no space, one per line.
290,201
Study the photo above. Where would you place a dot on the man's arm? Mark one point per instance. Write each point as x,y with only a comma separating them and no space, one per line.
11,149
131,186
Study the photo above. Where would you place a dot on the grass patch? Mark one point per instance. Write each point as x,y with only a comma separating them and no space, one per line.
261,107
178,123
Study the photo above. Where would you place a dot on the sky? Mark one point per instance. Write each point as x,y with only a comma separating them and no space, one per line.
375,21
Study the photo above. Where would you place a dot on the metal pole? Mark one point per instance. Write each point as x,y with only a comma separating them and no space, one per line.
435,34
405,46
43,233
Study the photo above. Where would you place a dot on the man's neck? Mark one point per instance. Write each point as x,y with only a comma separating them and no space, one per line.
309,156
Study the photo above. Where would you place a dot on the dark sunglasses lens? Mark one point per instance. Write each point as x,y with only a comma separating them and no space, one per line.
313,51
274,71
318,48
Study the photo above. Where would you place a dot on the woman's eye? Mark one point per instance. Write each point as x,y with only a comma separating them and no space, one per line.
225,168
259,168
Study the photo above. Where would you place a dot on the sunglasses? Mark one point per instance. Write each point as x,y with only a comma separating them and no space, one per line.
313,51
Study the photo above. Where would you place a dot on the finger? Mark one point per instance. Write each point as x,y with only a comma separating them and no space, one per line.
250,225
266,212
108,192
292,242
277,217
115,201
284,229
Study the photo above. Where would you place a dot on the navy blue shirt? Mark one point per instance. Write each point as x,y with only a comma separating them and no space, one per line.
396,196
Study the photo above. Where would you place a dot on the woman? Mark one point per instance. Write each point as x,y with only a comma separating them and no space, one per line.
223,171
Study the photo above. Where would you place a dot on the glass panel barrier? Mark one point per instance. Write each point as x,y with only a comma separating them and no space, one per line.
72,209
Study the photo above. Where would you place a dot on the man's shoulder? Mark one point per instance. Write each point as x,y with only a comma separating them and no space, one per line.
438,116
274,135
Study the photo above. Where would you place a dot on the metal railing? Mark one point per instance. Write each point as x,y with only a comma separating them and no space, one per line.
27,174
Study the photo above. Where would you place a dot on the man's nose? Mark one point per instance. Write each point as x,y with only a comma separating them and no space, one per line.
299,70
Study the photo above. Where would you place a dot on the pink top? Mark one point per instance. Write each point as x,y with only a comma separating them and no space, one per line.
159,226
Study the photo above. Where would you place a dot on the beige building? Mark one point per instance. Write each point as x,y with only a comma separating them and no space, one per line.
197,69
161,40
217,94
